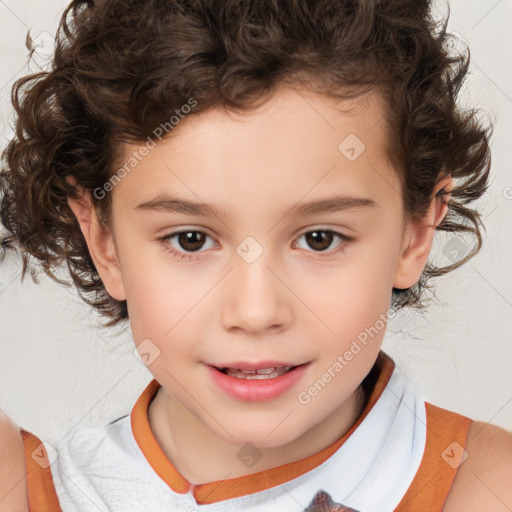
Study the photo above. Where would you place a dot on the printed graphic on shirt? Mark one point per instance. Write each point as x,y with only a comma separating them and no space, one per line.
322,502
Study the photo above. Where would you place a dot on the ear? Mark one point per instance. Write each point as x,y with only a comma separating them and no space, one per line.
418,238
100,242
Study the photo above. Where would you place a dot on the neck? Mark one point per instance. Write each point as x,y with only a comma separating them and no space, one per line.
200,456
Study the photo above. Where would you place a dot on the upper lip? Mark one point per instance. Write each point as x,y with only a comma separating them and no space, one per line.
256,365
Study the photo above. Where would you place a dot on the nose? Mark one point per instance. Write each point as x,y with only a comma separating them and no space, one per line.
255,298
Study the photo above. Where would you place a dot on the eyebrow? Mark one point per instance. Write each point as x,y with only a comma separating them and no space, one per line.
172,204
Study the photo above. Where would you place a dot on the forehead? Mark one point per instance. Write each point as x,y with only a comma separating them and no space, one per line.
298,144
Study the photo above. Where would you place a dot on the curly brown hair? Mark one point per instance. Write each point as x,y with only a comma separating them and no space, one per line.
123,67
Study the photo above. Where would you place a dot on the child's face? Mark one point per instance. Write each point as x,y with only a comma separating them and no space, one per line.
259,288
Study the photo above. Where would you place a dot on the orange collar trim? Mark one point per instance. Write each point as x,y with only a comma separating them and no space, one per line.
220,490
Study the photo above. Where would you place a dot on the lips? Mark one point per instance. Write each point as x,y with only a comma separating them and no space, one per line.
262,373
256,382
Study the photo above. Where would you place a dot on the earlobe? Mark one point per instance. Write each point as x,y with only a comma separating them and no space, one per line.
100,242
419,236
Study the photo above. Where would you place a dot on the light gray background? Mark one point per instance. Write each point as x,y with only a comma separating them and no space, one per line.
57,370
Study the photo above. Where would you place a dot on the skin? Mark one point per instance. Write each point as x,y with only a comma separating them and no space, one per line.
288,304
294,303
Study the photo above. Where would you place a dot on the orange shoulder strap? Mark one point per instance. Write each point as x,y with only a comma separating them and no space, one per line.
444,452
41,493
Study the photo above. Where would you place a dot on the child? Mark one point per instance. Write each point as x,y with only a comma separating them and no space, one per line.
265,129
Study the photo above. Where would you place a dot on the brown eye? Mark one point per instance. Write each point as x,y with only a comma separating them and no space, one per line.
191,240
319,240
322,239
186,242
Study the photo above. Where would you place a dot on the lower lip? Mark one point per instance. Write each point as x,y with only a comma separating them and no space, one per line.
257,390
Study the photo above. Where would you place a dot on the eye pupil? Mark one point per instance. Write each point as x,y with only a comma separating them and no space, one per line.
191,240
317,239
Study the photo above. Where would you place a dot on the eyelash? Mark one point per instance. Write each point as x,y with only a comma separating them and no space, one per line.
344,242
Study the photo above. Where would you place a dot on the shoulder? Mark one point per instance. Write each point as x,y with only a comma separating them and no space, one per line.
13,487
483,480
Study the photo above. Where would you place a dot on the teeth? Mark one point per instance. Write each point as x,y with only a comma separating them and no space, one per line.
264,373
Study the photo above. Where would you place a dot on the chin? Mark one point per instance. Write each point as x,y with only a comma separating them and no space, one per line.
270,434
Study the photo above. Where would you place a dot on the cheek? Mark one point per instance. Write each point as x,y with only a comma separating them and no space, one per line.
353,296
155,298
358,323
165,303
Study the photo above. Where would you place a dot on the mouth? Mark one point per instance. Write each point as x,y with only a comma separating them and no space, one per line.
261,373
257,381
